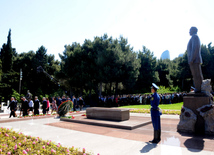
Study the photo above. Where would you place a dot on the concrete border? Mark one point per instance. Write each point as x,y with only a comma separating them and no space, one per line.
106,123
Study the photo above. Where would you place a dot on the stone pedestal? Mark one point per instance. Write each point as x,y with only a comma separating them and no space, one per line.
115,114
193,101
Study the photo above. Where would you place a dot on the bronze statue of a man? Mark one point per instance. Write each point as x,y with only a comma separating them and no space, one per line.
194,58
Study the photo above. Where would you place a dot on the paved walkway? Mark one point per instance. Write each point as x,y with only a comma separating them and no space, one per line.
110,141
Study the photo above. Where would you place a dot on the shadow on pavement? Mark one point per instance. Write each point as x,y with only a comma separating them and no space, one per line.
194,144
148,147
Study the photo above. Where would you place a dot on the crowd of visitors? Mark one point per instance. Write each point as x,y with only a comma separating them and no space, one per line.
30,107
121,100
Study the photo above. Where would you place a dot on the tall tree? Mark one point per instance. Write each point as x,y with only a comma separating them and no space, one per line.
148,74
164,68
7,54
9,77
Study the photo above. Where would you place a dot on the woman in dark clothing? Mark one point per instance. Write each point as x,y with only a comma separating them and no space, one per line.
44,105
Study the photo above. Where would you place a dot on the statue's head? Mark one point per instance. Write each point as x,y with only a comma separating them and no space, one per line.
193,30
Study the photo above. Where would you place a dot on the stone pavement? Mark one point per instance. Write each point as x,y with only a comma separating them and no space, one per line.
111,141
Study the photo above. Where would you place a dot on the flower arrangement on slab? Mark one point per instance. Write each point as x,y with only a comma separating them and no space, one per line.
14,143
64,108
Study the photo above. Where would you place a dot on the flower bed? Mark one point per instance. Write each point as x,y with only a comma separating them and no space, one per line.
14,143
171,112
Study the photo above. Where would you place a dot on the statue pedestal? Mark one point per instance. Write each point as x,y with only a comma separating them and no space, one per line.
193,101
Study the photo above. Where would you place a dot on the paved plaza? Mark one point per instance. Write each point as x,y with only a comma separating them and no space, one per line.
113,141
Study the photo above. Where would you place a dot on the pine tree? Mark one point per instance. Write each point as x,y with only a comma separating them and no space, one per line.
7,55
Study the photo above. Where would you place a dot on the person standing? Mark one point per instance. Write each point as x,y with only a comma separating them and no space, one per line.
63,98
48,105
58,101
194,58
44,105
80,103
68,98
54,106
140,99
12,107
155,114
25,106
16,103
30,103
74,103
36,106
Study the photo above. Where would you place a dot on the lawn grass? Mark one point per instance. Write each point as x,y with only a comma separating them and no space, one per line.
174,106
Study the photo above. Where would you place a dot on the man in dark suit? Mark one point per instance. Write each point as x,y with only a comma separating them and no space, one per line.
63,98
74,103
194,58
36,106
12,106
25,106
44,105
58,101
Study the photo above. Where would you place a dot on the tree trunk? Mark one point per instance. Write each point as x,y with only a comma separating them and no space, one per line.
100,90
110,88
116,89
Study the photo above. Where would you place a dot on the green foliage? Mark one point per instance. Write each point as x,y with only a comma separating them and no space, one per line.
105,60
7,55
16,95
148,74
0,69
163,68
163,90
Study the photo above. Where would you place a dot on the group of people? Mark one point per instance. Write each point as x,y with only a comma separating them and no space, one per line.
29,107
121,100
77,102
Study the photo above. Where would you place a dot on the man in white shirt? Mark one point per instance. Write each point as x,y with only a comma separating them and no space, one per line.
30,103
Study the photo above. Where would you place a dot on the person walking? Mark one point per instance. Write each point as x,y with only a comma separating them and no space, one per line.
44,105
81,103
155,114
63,98
58,101
16,103
54,106
74,103
25,106
30,103
12,107
36,106
48,105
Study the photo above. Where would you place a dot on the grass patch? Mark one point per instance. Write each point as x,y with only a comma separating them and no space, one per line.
175,106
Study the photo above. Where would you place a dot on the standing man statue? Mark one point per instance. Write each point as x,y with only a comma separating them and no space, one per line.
28,95
194,58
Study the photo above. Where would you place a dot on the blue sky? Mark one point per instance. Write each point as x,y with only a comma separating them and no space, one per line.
157,24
